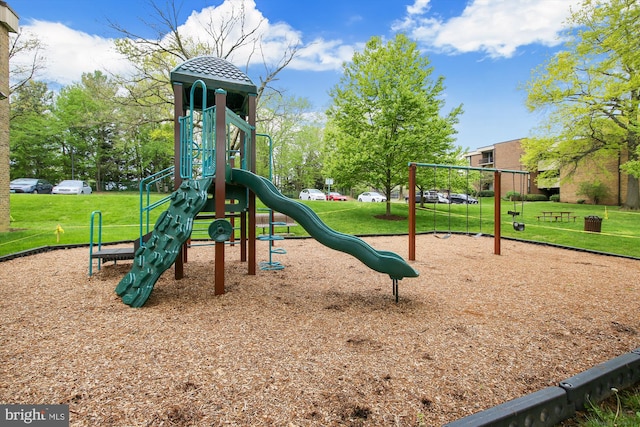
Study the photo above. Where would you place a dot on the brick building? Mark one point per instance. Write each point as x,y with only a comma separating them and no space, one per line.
506,155
9,24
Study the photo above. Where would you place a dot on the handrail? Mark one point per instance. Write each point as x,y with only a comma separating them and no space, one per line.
93,214
190,149
204,100
187,146
264,135
187,143
238,122
145,185
208,141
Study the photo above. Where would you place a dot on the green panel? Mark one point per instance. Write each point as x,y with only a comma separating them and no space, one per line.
171,230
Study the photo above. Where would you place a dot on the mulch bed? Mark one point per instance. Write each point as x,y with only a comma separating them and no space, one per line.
322,342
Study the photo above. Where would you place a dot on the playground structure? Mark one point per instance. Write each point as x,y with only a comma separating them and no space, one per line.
214,177
497,184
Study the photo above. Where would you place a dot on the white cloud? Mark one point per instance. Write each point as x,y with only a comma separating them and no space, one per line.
274,38
69,53
495,27
323,55
420,6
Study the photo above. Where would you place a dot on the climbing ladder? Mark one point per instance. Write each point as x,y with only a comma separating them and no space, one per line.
271,238
171,230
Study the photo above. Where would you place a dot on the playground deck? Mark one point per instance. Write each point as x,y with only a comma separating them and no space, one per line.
114,254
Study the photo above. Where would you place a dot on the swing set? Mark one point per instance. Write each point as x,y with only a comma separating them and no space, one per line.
497,184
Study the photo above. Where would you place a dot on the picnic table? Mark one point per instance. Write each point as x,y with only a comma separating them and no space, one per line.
556,216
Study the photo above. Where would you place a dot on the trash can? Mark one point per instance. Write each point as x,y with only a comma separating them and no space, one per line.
593,223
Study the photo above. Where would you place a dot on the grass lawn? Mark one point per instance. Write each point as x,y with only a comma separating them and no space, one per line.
35,219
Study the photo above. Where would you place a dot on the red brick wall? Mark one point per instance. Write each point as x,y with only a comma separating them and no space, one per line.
590,170
506,156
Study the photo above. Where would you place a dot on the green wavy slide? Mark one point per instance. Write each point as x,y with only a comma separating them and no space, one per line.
381,261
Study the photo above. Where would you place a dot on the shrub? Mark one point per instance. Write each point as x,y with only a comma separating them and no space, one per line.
486,193
536,198
554,198
595,191
512,196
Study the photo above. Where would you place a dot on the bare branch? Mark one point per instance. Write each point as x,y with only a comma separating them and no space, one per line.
25,44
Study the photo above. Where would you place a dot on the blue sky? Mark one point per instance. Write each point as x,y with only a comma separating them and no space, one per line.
485,49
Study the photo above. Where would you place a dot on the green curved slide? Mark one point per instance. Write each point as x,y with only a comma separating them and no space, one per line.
381,261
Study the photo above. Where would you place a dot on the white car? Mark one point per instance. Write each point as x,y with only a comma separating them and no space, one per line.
371,196
312,194
71,186
442,198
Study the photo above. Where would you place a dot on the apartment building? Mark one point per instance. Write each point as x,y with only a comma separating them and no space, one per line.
506,156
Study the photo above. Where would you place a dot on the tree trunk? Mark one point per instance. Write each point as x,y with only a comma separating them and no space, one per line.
633,140
633,193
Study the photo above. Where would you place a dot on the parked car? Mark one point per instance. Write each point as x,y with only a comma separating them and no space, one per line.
442,198
371,196
71,186
463,198
312,194
429,197
336,196
30,185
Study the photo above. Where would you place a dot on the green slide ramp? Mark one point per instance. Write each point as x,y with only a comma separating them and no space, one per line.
171,230
381,261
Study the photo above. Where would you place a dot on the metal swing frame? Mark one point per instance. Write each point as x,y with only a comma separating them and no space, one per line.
517,226
497,199
435,231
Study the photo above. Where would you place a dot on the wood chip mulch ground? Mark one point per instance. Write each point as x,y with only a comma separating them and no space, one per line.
322,342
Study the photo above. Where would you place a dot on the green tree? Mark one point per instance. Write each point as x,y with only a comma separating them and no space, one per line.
297,145
33,138
386,112
592,93
89,121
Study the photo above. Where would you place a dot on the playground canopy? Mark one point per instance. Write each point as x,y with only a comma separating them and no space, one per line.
216,73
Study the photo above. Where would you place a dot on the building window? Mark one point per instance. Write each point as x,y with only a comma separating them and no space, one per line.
487,158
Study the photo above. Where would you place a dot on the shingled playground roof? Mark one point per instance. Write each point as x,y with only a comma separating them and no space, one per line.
216,73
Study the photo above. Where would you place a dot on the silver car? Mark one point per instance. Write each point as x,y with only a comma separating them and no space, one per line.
30,185
71,186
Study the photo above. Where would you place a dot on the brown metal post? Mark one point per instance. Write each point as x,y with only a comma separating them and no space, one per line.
412,211
243,213
497,185
220,182
243,236
251,166
178,112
